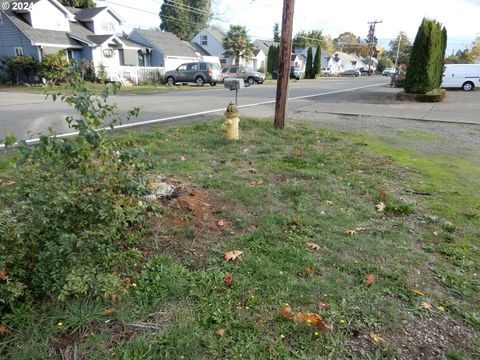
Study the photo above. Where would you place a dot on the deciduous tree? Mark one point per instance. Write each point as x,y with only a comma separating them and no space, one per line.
405,48
305,39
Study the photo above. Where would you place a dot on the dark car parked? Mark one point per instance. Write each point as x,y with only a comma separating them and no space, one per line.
351,72
196,72
295,73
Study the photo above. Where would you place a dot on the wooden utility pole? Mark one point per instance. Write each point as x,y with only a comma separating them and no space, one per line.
284,66
398,49
371,38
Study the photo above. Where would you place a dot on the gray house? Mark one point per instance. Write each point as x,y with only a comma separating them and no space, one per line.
167,50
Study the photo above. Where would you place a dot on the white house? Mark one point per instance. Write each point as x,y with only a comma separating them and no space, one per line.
211,40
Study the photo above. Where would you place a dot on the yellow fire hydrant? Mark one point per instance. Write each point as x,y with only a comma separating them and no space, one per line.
230,126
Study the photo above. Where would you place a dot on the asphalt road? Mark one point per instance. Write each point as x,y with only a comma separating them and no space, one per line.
28,115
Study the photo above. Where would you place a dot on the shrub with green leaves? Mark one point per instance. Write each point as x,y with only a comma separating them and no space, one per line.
425,68
55,68
20,68
72,208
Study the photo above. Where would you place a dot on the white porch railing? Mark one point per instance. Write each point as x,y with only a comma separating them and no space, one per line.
134,74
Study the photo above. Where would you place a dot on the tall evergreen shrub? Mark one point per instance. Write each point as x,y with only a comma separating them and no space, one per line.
424,72
317,62
309,72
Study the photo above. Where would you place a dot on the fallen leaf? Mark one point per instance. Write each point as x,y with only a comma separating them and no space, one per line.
368,197
329,202
299,153
383,194
376,338
9,183
112,297
435,233
309,318
109,310
256,182
441,309
183,158
221,223
220,332
228,279
312,246
380,207
362,228
426,305
309,270
232,255
3,330
417,292
324,306
3,275
127,280
370,279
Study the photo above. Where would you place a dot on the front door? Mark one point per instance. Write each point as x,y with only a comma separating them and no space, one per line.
141,59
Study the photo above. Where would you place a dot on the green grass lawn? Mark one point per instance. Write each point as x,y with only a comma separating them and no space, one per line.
97,88
268,195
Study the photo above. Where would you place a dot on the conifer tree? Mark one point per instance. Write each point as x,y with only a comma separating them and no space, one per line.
309,66
424,72
270,59
317,62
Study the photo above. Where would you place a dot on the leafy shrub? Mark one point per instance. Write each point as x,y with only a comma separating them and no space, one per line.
102,75
20,68
55,68
72,208
87,69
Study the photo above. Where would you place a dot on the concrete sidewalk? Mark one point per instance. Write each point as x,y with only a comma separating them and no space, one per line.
458,107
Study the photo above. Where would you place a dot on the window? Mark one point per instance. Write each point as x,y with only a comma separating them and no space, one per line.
70,55
182,68
18,51
192,67
203,66
1,20
204,40
233,70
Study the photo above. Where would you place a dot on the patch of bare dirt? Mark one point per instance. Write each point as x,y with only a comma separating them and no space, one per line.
192,217
427,338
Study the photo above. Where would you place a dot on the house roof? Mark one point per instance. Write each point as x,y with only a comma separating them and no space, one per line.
168,43
99,39
41,35
216,32
264,45
89,13
131,43
198,49
77,35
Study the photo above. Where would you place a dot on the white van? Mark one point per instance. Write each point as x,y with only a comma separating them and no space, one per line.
465,76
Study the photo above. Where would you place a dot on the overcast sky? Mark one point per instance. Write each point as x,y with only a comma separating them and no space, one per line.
461,17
